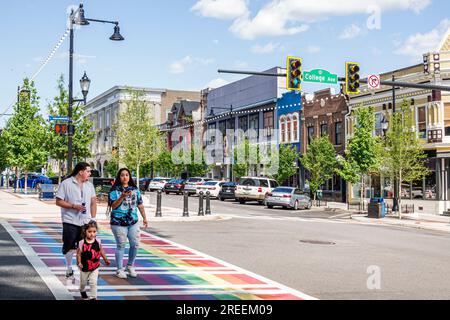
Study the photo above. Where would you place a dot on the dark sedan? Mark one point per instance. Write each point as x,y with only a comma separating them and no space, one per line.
174,186
227,191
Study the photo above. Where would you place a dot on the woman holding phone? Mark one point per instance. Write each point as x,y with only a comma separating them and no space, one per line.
125,199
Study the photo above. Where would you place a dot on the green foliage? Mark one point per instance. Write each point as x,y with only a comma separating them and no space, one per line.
403,156
112,167
288,157
3,155
364,150
25,133
139,140
198,168
83,136
164,165
241,166
320,161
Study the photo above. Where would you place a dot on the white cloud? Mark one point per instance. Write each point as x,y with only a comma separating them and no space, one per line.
180,66
216,41
351,32
289,17
268,48
418,44
221,9
240,64
313,49
217,83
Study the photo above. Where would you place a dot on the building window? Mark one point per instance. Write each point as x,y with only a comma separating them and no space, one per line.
310,134
422,122
268,123
295,125
243,123
283,129
338,133
324,130
289,129
378,127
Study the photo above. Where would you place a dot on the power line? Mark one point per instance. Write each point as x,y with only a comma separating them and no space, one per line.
42,66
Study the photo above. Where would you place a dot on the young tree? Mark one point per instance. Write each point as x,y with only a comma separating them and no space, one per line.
320,161
25,134
164,165
403,157
363,152
139,140
241,159
57,144
287,163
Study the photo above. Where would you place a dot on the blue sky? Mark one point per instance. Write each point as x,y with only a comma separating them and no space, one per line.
180,44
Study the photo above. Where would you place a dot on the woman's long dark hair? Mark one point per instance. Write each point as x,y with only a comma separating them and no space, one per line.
79,167
118,184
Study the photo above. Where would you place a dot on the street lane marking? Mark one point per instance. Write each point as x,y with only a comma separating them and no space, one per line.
189,274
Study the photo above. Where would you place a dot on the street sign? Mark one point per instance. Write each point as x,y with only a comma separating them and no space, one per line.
374,82
320,76
58,118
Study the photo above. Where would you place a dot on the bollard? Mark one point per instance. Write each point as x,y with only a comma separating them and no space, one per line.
200,204
158,204
186,204
208,203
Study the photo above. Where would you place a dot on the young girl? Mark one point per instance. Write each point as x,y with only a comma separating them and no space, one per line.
88,259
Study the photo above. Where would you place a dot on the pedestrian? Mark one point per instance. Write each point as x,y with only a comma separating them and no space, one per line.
125,199
78,202
88,260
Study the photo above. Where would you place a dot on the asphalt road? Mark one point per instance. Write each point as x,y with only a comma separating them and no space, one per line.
411,264
18,280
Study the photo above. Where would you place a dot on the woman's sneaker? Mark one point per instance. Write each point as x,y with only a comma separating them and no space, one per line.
121,274
131,271
69,274
84,295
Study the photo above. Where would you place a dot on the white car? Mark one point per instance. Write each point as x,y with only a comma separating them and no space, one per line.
192,184
213,187
157,184
254,189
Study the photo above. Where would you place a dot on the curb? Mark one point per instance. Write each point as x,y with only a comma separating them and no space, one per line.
416,225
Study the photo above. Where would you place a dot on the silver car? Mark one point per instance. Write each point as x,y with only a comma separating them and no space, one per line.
288,197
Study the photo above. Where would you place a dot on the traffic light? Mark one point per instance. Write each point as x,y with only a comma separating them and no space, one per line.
61,129
352,77
294,73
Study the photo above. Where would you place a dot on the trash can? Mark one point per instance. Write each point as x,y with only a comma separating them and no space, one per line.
377,208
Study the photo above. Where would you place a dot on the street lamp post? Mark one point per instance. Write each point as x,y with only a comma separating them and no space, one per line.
77,18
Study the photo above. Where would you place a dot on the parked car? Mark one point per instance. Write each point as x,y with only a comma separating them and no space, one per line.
227,191
34,180
144,183
192,183
254,189
214,187
157,184
288,197
174,186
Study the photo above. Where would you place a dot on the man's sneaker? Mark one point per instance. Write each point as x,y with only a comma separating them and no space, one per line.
131,271
84,295
121,274
69,274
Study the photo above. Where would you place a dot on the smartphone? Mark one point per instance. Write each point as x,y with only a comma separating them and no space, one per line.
84,205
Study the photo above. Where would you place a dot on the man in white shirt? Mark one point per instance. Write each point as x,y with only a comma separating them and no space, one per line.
78,202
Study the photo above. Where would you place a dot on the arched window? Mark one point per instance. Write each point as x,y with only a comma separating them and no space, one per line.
295,127
283,129
289,128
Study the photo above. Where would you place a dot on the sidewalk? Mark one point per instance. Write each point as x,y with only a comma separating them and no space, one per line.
416,220
28,206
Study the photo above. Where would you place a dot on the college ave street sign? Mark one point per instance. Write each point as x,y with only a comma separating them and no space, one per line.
58,118
320,76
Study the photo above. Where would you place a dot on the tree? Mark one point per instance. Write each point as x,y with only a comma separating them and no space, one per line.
287,163
320,161
83,136
139,140
241,166
25,133
3,156
403,157
363,152
197,169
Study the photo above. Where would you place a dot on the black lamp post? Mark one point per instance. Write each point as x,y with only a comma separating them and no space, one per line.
78,18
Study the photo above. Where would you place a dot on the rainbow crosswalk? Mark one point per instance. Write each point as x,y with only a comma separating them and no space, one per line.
167,270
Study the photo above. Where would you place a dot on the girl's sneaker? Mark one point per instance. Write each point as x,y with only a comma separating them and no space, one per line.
131,271
121,274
